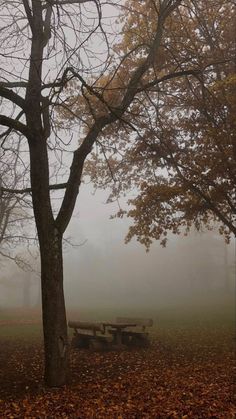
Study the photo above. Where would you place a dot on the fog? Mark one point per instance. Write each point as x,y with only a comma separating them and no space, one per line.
101,271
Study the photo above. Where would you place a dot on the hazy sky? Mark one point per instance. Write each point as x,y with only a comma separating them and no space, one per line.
106,272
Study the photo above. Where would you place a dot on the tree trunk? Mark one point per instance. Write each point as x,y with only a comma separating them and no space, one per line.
54,314
50,241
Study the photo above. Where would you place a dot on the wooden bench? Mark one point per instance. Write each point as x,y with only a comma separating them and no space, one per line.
89,335
137,335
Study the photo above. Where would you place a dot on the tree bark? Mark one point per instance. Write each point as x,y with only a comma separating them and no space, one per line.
53,303
54,314
50,241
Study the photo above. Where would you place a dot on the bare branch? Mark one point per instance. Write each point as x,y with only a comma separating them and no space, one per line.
64,2
28,12
12,96
13,84
8,131
47,24
29,190
14,124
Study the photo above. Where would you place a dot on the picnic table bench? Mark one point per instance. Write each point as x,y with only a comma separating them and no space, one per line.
116,329
89,334
124,331
137,335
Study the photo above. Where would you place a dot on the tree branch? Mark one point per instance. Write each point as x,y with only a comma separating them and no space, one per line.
11,84
63,2
29,190
12,96
8,131
47,25
28,14
153,83
14,124
81,153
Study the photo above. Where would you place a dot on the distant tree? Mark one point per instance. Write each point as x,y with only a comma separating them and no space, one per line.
178,156
16,229
15,211
51,48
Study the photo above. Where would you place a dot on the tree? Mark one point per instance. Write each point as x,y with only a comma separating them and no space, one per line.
47,49
14,210
182,160
200,186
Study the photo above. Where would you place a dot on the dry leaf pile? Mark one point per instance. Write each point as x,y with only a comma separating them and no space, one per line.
182,375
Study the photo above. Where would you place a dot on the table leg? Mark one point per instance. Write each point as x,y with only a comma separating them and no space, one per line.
119,338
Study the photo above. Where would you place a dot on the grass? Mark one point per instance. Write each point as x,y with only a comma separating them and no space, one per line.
21,331
220,314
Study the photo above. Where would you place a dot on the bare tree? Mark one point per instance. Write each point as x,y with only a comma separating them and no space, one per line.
48,49
15,211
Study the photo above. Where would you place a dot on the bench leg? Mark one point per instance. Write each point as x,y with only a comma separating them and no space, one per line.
80,342
141,341
96,345
126,339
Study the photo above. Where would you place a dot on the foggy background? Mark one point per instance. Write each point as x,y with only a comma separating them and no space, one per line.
104,272
101,271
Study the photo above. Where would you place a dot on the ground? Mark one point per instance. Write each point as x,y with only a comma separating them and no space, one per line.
187,372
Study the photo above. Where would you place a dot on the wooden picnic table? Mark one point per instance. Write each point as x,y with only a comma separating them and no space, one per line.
116,330
120,333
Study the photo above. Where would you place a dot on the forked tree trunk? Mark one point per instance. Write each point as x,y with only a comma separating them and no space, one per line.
50,241
54,314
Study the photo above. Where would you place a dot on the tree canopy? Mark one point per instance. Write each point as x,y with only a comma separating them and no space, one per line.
177,147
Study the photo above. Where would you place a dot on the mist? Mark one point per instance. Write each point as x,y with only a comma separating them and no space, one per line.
103,272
